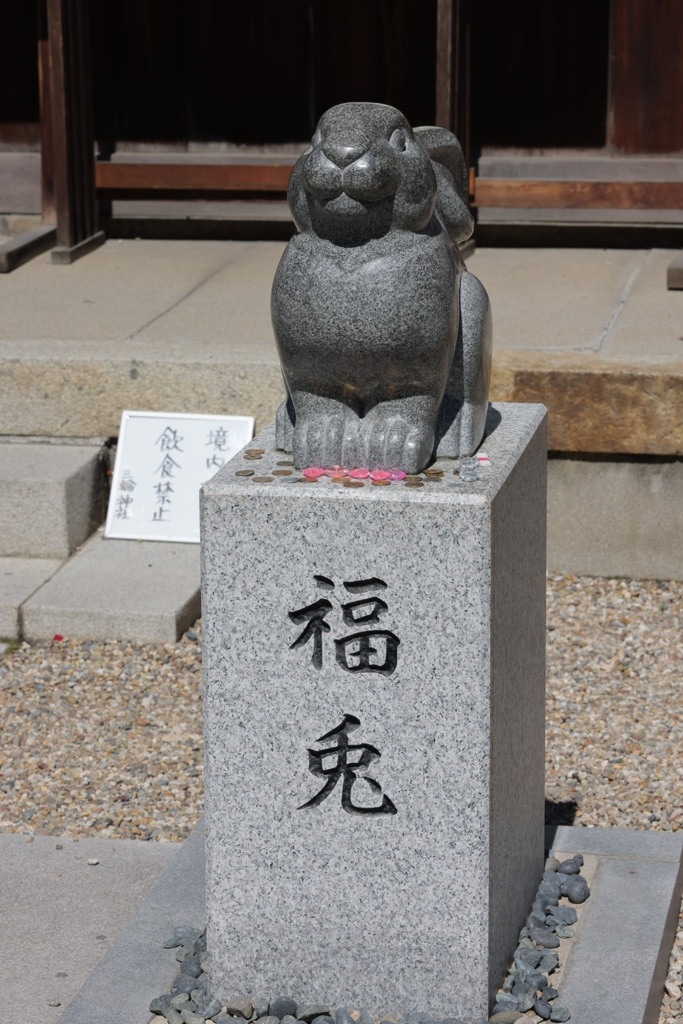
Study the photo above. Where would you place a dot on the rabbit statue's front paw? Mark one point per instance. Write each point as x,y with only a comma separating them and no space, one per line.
394,442
326,439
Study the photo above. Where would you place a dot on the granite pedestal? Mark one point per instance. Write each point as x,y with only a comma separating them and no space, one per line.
374,694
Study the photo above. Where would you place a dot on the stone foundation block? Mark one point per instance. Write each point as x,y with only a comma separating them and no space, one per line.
374,694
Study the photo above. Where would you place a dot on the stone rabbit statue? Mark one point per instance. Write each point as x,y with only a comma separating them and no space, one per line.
383,335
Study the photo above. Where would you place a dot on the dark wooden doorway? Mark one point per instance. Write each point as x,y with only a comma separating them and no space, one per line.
245,84
646,76
19,101
539,74
255,74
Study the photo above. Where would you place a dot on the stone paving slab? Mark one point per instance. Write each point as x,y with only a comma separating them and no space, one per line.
615,970
19,579
136,968
144,591
85,389
112,294
64,914
595,335
553,300
618,960
51,498
233,304
597,406
635,333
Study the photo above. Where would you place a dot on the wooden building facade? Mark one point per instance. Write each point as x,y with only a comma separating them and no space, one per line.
123,99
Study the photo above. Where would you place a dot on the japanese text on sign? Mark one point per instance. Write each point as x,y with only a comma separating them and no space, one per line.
162,460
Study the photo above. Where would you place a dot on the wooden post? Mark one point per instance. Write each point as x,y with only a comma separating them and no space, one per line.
72,130
47,182
444,63
453,69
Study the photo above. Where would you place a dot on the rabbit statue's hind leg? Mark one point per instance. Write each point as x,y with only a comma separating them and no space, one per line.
475,326
284,425
465,404
325,432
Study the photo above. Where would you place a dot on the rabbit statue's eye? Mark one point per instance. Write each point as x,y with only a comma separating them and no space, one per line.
398,140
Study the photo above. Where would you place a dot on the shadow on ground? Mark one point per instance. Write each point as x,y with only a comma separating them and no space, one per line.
561,812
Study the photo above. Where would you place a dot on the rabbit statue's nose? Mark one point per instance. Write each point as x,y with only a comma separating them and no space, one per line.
342,154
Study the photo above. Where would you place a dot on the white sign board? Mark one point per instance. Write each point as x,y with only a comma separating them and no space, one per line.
162,460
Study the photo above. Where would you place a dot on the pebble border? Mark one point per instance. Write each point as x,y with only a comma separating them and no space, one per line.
526,986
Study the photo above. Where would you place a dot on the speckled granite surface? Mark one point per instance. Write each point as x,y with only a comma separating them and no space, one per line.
421,907
383,337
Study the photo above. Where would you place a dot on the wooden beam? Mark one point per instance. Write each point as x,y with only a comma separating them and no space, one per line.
155,178
227,179
674,273
24,247
586,195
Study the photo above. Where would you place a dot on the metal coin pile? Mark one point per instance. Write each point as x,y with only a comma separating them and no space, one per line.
467,471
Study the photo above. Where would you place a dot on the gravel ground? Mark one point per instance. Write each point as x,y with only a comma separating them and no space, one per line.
105,739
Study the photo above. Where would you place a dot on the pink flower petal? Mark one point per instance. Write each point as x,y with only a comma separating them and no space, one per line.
359,474
336,472
397,474
312,472
380,474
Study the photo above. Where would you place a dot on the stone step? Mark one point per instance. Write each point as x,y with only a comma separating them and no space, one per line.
185,327
19,579
51,498
143,591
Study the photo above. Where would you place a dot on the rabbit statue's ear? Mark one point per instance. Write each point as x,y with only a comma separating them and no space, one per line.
452,183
